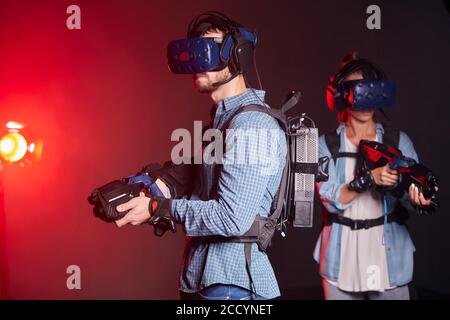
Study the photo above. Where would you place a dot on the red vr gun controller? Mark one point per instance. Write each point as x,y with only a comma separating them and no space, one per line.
375,155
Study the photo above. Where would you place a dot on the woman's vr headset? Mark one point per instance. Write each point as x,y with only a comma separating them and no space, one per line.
373,92
198,54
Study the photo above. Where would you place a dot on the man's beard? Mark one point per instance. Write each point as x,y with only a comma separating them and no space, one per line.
204,84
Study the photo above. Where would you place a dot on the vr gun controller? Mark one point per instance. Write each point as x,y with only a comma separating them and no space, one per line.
375,154
106,198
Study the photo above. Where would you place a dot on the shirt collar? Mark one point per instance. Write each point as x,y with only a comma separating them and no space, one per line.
251,95
379,128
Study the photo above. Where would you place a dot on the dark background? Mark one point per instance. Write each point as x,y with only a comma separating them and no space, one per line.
105,104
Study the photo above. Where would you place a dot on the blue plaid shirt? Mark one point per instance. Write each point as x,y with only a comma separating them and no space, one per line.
230,199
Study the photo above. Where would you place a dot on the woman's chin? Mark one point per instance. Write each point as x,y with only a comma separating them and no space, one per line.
362,116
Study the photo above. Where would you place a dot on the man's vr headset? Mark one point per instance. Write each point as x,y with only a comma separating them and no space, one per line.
373,92
198,54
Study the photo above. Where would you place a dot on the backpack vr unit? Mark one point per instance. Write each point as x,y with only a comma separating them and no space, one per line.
198,54
305,168
374,92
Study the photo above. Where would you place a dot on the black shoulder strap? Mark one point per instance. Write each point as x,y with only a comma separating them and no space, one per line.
391,136
333,143
262,228
278,202
275,113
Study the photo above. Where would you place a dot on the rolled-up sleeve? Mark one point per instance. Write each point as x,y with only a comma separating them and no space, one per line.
330,191
406,146
240,188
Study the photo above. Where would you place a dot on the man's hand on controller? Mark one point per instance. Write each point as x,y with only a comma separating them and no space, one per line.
138,213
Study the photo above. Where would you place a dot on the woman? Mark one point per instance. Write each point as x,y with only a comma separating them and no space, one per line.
364,250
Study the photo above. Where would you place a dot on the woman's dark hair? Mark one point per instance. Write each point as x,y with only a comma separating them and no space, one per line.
342,116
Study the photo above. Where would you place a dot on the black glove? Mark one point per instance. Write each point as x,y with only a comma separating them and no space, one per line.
363,180
161,219
178,177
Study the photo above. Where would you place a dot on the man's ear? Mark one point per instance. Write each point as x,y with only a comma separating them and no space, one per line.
226,72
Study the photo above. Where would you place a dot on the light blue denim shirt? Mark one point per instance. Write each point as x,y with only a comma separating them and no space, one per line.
399,246
230,199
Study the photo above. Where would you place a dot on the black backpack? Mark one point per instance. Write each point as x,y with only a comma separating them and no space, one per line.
391,137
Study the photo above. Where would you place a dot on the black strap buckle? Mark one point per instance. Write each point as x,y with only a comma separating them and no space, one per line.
360,224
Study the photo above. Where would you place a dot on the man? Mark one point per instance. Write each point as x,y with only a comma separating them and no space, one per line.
231,194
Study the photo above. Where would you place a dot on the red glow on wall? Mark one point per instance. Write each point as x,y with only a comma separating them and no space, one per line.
90,95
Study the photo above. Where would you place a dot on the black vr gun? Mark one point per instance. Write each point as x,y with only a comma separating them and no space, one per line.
106,199
177,178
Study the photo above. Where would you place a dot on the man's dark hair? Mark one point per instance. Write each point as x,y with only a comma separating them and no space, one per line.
211,20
